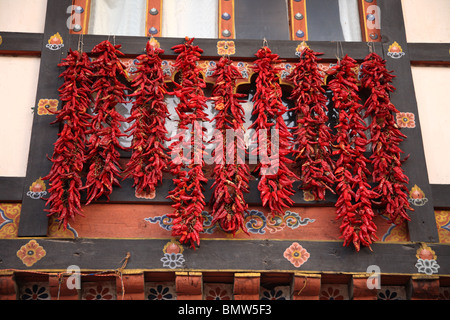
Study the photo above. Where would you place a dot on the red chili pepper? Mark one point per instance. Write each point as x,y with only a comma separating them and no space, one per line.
312,144
69,151
148,117
188,173
276,178
103,143
386,136
231,179
355,196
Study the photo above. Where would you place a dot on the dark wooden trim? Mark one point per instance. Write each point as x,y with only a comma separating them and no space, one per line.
20,43
213,255
11,189
33,218
422,226
429,53
245,49
441,195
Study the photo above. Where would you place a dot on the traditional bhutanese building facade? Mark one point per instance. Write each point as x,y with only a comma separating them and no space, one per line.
124,247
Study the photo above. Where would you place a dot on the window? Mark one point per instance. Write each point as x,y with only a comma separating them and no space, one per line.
318,20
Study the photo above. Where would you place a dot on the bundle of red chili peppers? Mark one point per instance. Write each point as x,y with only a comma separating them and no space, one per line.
103,143
312,144
148,117
231,173
69,151
387,174
274,146
188,197
355,196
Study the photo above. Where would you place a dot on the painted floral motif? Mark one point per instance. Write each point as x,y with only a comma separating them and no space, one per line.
395,233
37,189
276,293
331,293
55,42
443,225
302,46
417,196
143,195
387,294
308,196
168,68
98,291
290,219
55,230
161,291
173,255
34,291
426,260
218,291
395,51
47,107
427,266
31,253
10,213
255,222
405,120
226,48
296,254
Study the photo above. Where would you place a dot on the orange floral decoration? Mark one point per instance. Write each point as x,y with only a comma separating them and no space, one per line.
31,253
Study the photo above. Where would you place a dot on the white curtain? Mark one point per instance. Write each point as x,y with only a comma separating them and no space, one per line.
192,18
349,17
114,17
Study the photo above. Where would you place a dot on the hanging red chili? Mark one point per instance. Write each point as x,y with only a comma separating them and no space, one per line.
231,175
355,196
69,151
313,136
276,179
148,117
386,136
188,197
103,143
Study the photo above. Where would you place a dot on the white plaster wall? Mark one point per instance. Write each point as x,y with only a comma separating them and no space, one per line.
427,20
432,93
22,15
18,84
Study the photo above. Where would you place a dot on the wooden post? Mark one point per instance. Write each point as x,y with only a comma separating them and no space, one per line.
306,286
360,289
59,290
132,285
424,288
246,286
8,287
189,285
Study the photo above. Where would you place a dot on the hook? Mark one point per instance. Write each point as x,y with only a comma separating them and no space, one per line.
265,43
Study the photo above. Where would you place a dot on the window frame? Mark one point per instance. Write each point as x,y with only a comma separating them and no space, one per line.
34,222
226,27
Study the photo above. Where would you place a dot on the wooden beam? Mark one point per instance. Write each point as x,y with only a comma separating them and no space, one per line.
224,255
429,53
11,189
20,43
422,226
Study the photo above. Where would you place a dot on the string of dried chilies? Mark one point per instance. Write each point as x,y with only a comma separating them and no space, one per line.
355,196
231,173
148,117
272,135
94,139
188,197
312,144
388,176
69,152
103,143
